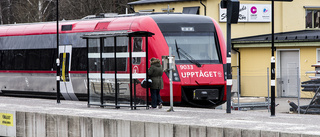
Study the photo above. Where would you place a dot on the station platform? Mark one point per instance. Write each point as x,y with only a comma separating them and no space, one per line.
29,117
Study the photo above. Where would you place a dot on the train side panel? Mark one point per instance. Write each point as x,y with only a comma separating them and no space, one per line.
42,37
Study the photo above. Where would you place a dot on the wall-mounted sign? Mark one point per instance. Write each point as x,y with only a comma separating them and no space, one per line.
249,13
8,123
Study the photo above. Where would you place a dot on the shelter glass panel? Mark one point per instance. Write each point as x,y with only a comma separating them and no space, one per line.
115,62
137,47
138,70
94,71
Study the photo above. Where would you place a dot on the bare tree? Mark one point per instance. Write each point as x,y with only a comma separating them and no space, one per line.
31,10
25,11
1,16
76,9
5,11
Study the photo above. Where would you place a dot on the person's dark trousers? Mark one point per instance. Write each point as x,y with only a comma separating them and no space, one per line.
155,97
159,100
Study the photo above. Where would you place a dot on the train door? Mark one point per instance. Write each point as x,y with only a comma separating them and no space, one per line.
66,88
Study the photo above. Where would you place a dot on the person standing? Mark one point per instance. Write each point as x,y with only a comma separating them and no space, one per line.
155,74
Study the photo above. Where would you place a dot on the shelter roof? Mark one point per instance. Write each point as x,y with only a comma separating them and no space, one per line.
283,37
154,1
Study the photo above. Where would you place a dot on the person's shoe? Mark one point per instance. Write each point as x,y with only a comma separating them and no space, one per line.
152,108
160,105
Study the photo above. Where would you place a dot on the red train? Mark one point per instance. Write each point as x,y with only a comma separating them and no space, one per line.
28,53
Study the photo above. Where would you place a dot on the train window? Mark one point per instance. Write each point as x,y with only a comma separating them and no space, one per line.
33,60
137,47
94,65
198,46
109,64
82,63
7,59
75,59
1,59
79,59
47,59
66,27
19,60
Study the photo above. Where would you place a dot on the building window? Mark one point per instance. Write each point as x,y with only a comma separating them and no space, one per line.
312,18
191,10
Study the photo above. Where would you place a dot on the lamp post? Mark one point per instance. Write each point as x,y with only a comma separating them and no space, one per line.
58,61
232,17
232,6
273,61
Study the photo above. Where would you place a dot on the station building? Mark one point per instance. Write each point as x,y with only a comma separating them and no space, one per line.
297,40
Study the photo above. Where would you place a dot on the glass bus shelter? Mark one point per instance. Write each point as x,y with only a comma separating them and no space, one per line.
117,62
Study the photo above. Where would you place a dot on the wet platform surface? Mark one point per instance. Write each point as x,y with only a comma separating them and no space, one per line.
286,123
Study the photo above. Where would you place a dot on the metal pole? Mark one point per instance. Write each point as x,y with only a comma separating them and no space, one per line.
130,61
58,61
298,88
170,79
228,65
115,73
273,83
88,71
101,71
135,94
238,69
268,89
147,66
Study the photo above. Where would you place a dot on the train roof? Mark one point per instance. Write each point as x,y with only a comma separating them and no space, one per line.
177,18
96,24
39,28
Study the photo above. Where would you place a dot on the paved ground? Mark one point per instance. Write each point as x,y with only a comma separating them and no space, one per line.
253,120
282,104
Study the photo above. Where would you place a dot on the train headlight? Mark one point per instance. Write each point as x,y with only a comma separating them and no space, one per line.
175,75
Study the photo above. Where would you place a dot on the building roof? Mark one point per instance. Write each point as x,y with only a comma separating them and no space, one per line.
284,37
154,1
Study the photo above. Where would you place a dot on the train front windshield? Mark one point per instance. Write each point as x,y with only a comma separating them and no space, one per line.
193,47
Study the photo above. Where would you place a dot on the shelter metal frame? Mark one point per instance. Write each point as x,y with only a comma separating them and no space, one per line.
103,35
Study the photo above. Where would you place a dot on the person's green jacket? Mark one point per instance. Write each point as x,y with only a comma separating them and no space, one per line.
155,74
